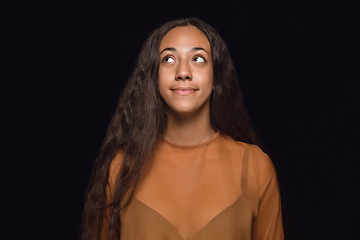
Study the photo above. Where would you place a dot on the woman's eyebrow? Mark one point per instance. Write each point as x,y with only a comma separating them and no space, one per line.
172,49
199,48
168,49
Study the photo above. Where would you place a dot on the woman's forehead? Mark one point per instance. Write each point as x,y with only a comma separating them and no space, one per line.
187,37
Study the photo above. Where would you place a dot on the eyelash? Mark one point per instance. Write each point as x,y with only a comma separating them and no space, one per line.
197,56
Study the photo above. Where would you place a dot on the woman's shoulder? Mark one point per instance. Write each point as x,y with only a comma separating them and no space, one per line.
258,159
261,161
263,168
254,149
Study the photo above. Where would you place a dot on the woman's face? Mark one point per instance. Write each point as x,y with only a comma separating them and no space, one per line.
185,71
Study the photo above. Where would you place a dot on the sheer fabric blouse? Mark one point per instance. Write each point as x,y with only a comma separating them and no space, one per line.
219,189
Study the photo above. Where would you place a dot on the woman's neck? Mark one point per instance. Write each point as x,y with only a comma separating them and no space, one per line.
189,128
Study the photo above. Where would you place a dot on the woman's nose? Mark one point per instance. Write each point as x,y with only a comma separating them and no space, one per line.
183,72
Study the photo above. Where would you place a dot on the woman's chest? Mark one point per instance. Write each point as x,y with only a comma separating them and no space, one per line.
139,221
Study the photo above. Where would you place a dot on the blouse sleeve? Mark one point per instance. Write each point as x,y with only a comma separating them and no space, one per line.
267,224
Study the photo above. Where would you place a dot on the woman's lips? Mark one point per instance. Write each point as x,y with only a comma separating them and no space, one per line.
183,91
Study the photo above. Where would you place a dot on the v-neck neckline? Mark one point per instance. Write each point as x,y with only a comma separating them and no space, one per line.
201,229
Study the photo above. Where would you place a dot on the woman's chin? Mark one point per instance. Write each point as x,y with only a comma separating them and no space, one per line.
186,108
183,111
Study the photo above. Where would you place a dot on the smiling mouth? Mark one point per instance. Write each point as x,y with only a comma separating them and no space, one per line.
183,91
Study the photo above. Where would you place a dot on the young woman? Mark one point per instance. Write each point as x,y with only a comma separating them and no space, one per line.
179,160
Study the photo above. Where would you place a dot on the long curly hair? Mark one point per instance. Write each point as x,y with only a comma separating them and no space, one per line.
140,120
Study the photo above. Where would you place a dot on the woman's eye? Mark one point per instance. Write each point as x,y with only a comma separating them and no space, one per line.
199,59
168,59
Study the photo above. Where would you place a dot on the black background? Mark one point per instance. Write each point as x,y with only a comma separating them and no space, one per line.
66,64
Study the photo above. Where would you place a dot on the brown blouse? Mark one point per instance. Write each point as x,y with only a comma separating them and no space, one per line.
219,189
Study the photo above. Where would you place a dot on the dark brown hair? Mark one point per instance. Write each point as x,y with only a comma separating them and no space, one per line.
140,121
